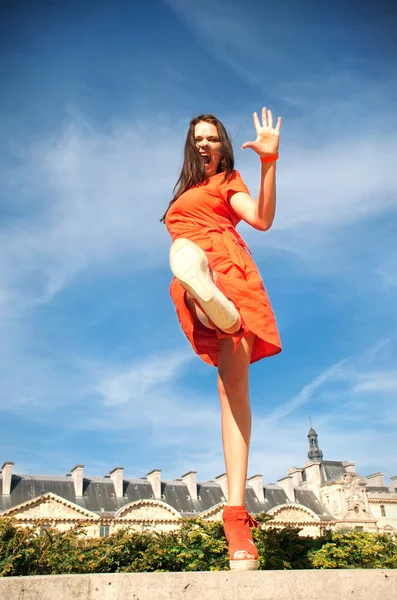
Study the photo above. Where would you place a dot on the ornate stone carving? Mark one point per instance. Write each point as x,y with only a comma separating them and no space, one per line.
292,514
51,507
354,501
148,511
214,513
351,480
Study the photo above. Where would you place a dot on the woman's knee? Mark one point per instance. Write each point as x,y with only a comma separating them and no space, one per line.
232,381
234,365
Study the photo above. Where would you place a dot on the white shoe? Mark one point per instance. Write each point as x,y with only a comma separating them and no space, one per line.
190,266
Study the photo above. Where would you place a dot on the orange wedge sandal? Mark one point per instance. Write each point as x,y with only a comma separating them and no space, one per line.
237,523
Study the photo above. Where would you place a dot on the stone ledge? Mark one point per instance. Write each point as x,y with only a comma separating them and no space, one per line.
352,584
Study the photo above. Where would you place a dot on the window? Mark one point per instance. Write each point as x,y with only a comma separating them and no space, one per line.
104,531
43,529
382,510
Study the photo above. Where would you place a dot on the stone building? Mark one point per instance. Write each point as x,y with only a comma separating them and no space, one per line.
318,496
354,501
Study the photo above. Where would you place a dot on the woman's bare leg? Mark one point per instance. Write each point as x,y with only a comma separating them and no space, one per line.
233,388
196,312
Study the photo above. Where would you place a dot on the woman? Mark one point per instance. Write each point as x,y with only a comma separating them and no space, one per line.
218,293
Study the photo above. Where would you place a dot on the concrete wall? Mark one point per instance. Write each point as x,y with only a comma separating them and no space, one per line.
260,585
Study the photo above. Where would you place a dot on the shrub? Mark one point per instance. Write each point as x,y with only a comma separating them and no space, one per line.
356,550
197,546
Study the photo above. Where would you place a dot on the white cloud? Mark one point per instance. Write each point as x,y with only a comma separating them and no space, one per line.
380,382
99,196
282,58
306,393
354,410
137,381
334,186
349,380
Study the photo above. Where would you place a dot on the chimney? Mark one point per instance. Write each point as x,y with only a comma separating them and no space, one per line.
350,467
6,471
313,472
394,482
77,476
190,480
287,484
117,476
256,482
222,482
376,480
296,475
154,478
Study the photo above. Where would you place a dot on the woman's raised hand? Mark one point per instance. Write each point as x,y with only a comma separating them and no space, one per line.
268,137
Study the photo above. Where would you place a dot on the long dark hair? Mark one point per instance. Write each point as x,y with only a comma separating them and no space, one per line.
193,169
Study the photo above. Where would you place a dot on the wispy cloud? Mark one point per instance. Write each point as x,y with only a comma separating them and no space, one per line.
149,394
283,56
98,200
380,382
137,381
353,408
354,376
307,392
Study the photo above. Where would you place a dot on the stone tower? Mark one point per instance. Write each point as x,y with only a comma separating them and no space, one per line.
314,451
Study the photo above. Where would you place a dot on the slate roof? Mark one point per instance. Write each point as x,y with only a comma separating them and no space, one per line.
27,487
99,494
309,499
210,494
176,494
331,470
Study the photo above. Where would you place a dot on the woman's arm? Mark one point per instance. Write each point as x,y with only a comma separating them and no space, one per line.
260,213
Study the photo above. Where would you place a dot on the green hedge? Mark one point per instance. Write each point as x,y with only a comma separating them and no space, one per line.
198,546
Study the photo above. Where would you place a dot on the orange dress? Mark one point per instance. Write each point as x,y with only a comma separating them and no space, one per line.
204,215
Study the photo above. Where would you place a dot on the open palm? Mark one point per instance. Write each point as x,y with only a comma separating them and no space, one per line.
268,137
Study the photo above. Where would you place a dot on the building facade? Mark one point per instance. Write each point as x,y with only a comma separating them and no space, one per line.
319,496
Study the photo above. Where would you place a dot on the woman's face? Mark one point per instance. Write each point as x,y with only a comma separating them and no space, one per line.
209,146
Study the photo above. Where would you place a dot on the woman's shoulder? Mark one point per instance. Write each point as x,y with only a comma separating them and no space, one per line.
234,177
222,176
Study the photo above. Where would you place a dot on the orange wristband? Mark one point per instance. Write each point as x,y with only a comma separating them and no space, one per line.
271,158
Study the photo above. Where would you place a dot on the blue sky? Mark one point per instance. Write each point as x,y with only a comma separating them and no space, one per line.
95,102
